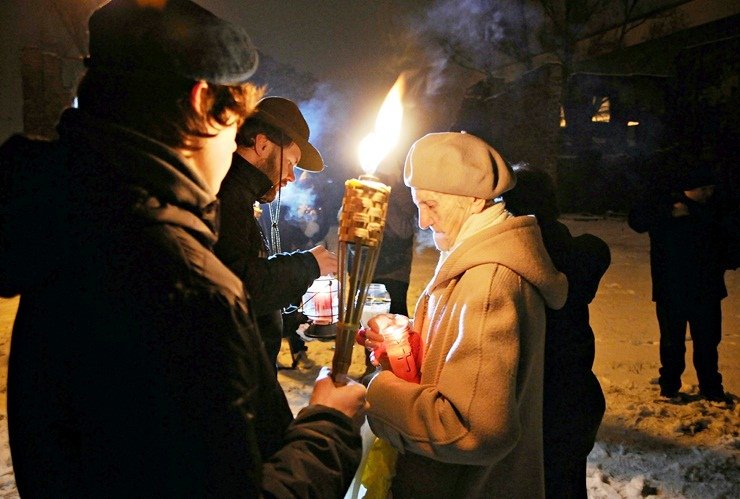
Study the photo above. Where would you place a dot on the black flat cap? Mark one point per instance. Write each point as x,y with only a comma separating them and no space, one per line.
175,37
700,176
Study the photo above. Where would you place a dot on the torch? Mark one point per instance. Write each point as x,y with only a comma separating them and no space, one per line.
361,224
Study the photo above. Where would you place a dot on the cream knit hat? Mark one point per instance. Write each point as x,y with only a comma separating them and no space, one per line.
457,163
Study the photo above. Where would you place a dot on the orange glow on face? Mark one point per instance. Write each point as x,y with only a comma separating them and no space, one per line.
155,4
378,143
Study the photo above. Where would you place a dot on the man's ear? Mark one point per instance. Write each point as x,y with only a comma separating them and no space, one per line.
197,95
478,205
261,144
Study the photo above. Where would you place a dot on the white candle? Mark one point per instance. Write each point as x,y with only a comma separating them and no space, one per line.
323,307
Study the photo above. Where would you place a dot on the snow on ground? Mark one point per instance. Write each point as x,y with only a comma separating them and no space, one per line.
646,446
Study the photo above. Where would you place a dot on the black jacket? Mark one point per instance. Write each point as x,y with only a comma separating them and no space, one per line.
688,254
573,403
274,282
397,248
135,369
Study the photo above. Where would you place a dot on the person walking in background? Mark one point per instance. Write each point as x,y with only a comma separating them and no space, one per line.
270,144
573,403
135,368
688,258
472,427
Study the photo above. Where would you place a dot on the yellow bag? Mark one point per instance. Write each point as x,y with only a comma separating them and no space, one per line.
379,469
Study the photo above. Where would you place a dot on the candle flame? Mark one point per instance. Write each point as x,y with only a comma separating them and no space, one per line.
378,143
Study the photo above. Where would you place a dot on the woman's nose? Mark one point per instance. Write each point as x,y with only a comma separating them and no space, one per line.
424,219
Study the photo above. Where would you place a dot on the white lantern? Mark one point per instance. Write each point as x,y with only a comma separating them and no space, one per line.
321,306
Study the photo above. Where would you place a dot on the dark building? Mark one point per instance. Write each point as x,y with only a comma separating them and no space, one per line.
622,118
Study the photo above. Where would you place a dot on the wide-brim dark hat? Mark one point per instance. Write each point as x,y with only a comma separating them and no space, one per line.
170,37
691,178
284,114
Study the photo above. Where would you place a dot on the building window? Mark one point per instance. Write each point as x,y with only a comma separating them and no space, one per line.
603,114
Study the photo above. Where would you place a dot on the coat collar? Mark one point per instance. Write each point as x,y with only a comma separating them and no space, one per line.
247,178
515,243
177,193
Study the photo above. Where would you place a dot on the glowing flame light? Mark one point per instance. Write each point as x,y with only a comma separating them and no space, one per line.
378,143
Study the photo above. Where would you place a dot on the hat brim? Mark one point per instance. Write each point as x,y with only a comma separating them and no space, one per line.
285,115
311,159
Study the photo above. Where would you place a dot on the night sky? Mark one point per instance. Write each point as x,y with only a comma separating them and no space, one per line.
345,42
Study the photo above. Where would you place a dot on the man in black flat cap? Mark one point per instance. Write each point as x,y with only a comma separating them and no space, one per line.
136,369
270,144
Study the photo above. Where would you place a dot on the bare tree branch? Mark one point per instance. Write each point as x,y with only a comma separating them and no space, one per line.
74,15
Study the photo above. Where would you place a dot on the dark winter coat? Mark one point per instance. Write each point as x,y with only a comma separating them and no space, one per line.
573,400
272,283
397,248
688,254
135,369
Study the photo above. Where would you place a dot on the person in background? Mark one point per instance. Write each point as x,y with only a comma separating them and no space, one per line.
688,259
136,369
302,226
573,403
472,427
397,249
396,252
270,144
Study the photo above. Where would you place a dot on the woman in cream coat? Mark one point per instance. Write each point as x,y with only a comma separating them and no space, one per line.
472,426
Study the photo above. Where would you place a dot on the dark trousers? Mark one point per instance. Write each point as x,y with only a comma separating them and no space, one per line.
572,408
398,291
271,326
291,321
705,324
567,481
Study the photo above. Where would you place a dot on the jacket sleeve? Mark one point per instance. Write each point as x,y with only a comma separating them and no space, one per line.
319,458
272,283
254,446
278,281
33,212
590,260
470,413
650,212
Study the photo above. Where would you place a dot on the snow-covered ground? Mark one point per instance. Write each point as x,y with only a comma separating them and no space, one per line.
646,446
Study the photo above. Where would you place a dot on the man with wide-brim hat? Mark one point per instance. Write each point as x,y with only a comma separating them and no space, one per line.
270,145
137,370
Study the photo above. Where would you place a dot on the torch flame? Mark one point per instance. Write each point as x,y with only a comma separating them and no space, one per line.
378,143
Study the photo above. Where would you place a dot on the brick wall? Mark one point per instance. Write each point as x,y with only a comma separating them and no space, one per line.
45,93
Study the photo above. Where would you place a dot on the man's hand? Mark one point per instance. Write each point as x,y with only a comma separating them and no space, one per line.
348,399
326,259
679,209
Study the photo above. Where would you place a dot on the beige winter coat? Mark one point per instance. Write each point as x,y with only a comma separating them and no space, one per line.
472,428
